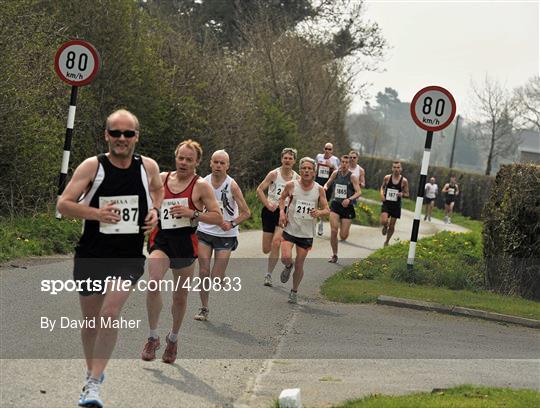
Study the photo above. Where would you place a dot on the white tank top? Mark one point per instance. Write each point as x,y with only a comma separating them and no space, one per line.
301,224
228,208
356,172
278,185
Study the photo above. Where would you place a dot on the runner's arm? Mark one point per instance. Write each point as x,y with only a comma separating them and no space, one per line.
212,215
68,202
323,205
330,180
261,188
405,188
381,190
445,188
243,210
357,190
287,191
155,188
362,179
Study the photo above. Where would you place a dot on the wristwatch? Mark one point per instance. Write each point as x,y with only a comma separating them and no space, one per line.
233,224
196,215
157,211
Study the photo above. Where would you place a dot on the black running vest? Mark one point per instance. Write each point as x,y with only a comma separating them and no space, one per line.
113,181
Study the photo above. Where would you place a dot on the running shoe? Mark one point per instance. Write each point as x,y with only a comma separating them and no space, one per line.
169,355
445,219
268,280
293,297
90,397
202,315
101,379
449,220
333,259
149,351
320,229
286,273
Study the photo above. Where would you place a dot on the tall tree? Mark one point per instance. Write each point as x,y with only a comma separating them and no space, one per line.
494,129
527,103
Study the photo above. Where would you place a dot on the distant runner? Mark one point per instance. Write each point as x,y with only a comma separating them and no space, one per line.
394,187
307,202
451,191
173,243
326,164
219,239
345,190
356,169
430,194
274,182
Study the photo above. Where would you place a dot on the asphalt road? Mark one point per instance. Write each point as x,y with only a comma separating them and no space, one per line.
255,343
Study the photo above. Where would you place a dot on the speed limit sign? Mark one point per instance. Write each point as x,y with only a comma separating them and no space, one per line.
433,108
76,62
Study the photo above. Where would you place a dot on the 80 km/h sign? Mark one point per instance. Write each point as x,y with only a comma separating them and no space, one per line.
76,62
433,108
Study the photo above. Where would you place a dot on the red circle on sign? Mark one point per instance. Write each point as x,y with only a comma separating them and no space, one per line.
421,123
92,51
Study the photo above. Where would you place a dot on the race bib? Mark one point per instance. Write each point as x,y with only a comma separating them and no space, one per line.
391,194
451,191
128,210
302,210
170,222
341,191
323,171
276,194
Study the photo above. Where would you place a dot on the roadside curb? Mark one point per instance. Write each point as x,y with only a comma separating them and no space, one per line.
456,310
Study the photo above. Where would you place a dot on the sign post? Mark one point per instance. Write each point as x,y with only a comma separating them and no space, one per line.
433,108
76,63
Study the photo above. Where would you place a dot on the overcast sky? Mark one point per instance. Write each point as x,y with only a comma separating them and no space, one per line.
448,43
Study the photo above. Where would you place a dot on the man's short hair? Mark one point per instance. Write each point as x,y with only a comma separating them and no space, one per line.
289,150
193,145
221,151
344,156
309,160
396,162
122,112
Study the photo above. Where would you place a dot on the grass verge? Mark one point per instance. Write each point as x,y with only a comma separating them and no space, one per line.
449,269
462,396
39,235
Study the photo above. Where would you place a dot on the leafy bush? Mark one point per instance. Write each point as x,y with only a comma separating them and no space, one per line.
511,230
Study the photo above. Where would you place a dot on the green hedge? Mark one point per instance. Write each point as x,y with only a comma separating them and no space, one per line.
511,231
474,188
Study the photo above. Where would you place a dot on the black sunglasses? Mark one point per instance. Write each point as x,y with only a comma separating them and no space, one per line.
117,133
327,148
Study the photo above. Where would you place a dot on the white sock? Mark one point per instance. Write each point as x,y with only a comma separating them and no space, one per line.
153,334
173,337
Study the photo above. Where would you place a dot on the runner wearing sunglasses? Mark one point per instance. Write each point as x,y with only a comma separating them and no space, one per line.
121,191
219,239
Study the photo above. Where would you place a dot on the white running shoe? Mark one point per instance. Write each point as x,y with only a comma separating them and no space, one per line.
286,273
446,219
320,228
91,396
268,280
293,297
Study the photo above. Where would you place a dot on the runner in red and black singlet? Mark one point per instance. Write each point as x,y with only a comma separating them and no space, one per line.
174,242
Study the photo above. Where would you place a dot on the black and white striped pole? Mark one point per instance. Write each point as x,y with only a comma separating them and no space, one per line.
433,108
76,63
